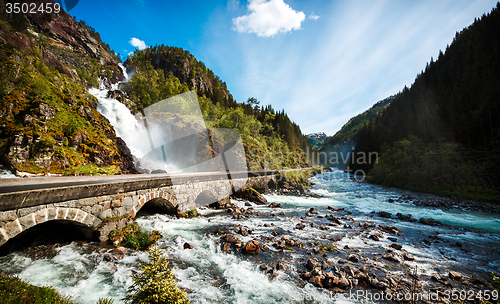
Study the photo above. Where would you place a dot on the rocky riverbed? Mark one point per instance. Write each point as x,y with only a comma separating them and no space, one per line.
344,242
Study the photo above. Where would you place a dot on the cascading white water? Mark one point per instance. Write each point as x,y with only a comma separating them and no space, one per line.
130,127
6,174
126,125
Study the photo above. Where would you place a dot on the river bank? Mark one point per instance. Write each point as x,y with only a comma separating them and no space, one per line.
348,244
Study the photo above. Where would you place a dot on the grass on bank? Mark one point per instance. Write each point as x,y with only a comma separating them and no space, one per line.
13,290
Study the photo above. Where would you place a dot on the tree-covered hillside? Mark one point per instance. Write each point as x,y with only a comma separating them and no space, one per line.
336,150
270,138
444,131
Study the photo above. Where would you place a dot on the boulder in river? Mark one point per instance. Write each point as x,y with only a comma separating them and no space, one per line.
275,205
251,195
384,214
396,246
231,238
455,275
188,246
251,246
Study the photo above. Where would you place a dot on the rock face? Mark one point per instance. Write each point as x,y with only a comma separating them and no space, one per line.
50,123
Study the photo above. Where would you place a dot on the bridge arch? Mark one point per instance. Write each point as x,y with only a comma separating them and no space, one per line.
205,198
158,200
14,227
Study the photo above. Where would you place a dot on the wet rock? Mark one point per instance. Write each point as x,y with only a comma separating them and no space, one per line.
344,283
374,237
251,246
384,214
251,195
455,275
374,282
243,231
362,277
392,257
188,246
335,209
429,221
275,205
300,226
392,239
120,250
225,247
408,256
363,268
312,211
317,272
280,245
396,246
389,229
353,258
263,268
109,258
407,217
349,270
334,219
223,204
312,264
279,266
316,280
231,238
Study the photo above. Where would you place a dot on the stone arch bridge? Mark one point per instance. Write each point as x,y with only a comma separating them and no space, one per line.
92,201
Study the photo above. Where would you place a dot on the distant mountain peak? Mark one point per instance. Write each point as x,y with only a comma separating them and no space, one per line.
317,138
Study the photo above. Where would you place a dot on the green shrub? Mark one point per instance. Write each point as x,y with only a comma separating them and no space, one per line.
14,290
131,237
105,301
155,283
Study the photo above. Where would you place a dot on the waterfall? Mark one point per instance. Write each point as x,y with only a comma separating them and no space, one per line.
171,135
131,127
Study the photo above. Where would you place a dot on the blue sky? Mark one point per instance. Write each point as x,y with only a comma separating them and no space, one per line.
322,61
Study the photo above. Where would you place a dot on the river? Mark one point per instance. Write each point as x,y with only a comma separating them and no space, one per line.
211,275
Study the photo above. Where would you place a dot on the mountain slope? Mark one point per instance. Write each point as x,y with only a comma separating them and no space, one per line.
335,151
49,121
317,139
444,131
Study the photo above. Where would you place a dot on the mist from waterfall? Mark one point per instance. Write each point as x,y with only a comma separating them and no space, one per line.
170,135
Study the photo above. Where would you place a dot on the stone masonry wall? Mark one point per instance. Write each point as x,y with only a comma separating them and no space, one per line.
93,211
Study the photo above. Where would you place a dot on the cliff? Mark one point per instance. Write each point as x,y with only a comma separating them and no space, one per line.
49,121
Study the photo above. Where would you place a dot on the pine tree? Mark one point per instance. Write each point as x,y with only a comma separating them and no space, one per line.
155,283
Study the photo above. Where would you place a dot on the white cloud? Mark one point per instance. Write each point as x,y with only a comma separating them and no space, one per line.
314,17
141,45
267,18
